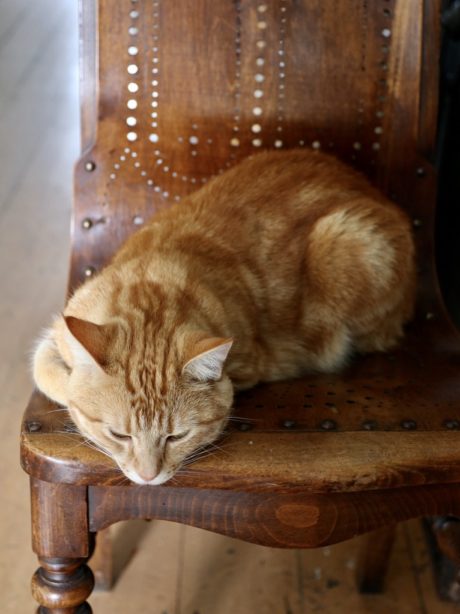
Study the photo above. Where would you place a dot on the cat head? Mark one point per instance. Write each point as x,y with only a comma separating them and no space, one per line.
147,404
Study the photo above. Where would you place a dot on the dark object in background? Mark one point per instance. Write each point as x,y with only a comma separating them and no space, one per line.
446,571
445,530
448,210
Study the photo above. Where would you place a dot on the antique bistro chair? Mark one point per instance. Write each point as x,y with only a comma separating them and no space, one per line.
172,94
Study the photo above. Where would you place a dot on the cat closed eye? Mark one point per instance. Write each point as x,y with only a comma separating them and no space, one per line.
119,435
173,438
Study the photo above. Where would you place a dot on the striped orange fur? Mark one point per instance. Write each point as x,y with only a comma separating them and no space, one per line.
285,264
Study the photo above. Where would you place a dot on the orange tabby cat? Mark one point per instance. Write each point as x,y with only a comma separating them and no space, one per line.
285,264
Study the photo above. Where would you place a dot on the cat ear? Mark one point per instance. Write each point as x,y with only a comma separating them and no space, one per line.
208,362
88,342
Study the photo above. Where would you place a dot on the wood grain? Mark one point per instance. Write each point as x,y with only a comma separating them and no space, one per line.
52,518
317,462
271,519
382,66
61,539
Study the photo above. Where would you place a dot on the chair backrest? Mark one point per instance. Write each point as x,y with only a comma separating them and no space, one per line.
176,92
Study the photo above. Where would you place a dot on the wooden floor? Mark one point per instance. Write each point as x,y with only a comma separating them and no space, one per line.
168,569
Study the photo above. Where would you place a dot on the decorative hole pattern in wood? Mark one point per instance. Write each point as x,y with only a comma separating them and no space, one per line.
186,119
169,119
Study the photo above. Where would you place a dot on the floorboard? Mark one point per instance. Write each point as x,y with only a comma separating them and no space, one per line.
30,110
12,14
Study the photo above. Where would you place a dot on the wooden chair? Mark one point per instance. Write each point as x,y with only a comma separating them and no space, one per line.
172,94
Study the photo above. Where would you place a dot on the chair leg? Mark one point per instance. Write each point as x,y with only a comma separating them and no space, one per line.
61,539
446,530
102,560
62,585
373,559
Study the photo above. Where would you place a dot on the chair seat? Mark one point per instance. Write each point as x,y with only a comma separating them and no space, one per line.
388,420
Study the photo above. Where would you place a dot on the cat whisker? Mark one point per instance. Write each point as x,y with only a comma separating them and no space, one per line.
206,451
71,434
225,443
197,458
217,447
69,423
69,428
97,448
81,442
190,462
198,453
67,434
89,444
242,419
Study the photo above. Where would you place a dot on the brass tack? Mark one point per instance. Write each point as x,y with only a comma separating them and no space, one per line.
452,425
244,426
289,424
328,425
34,426
89,271
417,223
409,425
429,315
87,223
420,172
369,425
90,166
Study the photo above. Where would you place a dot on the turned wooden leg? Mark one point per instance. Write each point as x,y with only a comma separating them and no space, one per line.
446,529
61,539
102,560
373,560
61,586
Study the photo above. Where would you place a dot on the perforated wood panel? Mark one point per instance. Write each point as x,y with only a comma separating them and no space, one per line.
185,90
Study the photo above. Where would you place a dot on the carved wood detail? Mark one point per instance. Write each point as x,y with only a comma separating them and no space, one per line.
62,541
61,586
288,521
